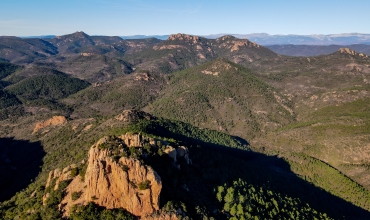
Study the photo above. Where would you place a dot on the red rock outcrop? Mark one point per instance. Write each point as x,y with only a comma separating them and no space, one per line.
115,183
346,50
54,121
132,140
184,37
235,44
112,187
60,176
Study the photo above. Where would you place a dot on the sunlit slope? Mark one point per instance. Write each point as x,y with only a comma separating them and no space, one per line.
223,96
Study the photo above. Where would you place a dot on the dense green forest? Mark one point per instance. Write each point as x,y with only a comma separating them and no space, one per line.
7,99
7,68
50,87
243,201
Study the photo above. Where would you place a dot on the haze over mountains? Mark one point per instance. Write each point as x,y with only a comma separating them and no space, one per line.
267,39
314,39
296,45
315,50
291,45
188,127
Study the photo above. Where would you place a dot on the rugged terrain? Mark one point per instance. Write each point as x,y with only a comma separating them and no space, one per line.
101,126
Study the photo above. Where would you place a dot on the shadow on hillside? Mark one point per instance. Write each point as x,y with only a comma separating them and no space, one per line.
20,162
213,165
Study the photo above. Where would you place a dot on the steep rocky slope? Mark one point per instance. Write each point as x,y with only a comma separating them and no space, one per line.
112,183
112,179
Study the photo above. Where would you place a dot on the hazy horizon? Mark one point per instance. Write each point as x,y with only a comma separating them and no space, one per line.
214,34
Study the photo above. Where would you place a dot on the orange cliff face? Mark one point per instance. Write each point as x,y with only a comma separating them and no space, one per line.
113,184
114,181
110,186
54,121
184,37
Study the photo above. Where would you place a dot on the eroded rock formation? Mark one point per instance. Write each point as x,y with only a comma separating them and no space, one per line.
349,51
184,37
235,44
54,121
113,180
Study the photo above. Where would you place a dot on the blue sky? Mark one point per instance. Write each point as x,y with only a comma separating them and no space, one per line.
201,17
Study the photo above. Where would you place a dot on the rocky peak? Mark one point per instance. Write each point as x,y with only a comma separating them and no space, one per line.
133,115
116,177
226,37
235,44
77,34
80,34
346,50
111,181
184,37
125,183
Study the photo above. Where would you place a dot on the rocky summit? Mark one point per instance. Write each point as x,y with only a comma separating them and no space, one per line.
112,180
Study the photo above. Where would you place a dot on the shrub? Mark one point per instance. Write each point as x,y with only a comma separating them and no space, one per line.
125,168
76,195
74,172
133,184
82,171
144,185
92,211
116,158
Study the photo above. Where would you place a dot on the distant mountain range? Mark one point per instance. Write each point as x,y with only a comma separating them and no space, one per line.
267,39
161,37
315,50
41,36
338,39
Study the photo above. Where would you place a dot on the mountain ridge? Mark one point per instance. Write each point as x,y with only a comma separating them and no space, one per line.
284,39
269,39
